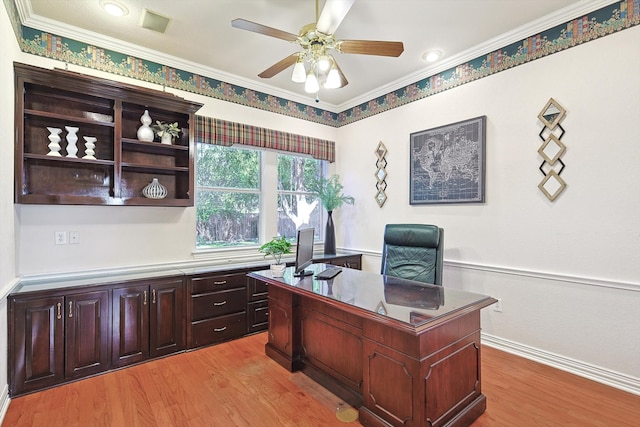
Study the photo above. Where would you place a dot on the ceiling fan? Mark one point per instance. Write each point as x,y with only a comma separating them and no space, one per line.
315,66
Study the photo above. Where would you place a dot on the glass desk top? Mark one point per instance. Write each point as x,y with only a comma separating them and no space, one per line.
407,301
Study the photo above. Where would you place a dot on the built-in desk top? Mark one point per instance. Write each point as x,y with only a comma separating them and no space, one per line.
413,303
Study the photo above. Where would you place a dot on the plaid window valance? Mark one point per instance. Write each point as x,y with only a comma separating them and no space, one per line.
222,132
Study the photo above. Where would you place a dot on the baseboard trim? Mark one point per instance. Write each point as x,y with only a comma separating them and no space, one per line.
4,402
604,376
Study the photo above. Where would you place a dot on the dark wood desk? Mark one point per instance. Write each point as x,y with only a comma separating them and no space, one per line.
405,353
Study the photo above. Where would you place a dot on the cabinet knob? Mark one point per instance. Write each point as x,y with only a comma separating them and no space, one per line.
220,303
219,329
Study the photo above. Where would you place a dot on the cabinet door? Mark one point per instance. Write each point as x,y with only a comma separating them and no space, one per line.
37,344
87,333
130,342
167,320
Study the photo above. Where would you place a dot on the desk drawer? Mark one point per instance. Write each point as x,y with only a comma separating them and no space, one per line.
258,316
215,304
219,329
257,290
218,282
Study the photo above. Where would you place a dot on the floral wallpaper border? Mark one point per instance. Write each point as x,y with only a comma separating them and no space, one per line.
604,21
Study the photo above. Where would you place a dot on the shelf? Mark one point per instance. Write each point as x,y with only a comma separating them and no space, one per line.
67,118
152,147
68,159
154,169
109,111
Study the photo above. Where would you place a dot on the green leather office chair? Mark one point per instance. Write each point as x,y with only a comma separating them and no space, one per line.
413,251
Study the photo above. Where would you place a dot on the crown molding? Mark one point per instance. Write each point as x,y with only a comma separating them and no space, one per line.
568,13
29,19
565,14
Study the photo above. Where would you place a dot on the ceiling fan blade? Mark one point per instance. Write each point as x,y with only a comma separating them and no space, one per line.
343,79
243,24
332,15
371,47
279,66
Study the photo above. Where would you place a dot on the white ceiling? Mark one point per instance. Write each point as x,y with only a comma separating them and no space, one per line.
200,37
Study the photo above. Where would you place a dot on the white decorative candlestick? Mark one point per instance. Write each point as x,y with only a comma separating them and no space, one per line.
54,144
89,146
72,138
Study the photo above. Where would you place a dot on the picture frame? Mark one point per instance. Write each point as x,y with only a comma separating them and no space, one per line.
447,163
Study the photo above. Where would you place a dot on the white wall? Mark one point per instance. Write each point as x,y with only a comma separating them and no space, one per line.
568,271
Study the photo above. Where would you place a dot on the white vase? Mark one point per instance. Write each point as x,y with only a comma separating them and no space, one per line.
154,190
72,139
277,270
89,146
54,142
145,133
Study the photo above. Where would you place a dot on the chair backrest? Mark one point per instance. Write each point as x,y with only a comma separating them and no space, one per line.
413,251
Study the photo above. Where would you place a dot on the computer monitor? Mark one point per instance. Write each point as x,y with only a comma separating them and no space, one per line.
304,252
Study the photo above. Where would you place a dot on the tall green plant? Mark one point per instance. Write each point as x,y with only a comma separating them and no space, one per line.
329,192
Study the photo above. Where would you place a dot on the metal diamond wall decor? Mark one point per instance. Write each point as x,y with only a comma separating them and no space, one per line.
381,174
552,149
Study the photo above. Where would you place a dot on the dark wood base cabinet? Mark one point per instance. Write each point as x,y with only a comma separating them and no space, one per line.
148,321
61,335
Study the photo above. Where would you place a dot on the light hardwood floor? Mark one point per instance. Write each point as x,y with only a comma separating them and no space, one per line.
235,384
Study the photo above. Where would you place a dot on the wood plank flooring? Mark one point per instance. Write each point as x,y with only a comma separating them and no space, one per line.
235,384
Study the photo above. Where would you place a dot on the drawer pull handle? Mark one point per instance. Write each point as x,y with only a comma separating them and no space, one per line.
59,310
220,303
70,308
219,329
222,282
153,294
144,302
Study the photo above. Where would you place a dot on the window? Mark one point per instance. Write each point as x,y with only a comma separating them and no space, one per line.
231,188
296,206
227,196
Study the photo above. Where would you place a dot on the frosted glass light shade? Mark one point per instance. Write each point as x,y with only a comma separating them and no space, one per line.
299,74
333,79
324,63
311,85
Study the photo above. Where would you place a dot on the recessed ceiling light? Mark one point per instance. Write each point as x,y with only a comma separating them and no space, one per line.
431,55
114,8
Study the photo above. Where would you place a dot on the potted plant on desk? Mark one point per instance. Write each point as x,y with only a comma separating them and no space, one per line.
276,248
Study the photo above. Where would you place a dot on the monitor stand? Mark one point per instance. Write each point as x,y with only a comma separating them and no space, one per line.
303,273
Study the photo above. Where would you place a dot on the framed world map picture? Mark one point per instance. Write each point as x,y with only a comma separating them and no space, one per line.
447,163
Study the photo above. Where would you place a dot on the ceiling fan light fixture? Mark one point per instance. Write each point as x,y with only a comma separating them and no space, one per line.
311,85
333,79
324,63
299,74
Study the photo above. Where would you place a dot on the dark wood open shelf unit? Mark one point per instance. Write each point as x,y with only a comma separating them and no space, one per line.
110,111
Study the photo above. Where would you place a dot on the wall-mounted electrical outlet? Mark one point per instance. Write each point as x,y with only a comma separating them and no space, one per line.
497,306
74,237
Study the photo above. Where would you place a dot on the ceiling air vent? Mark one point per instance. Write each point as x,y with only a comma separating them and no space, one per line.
153,21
